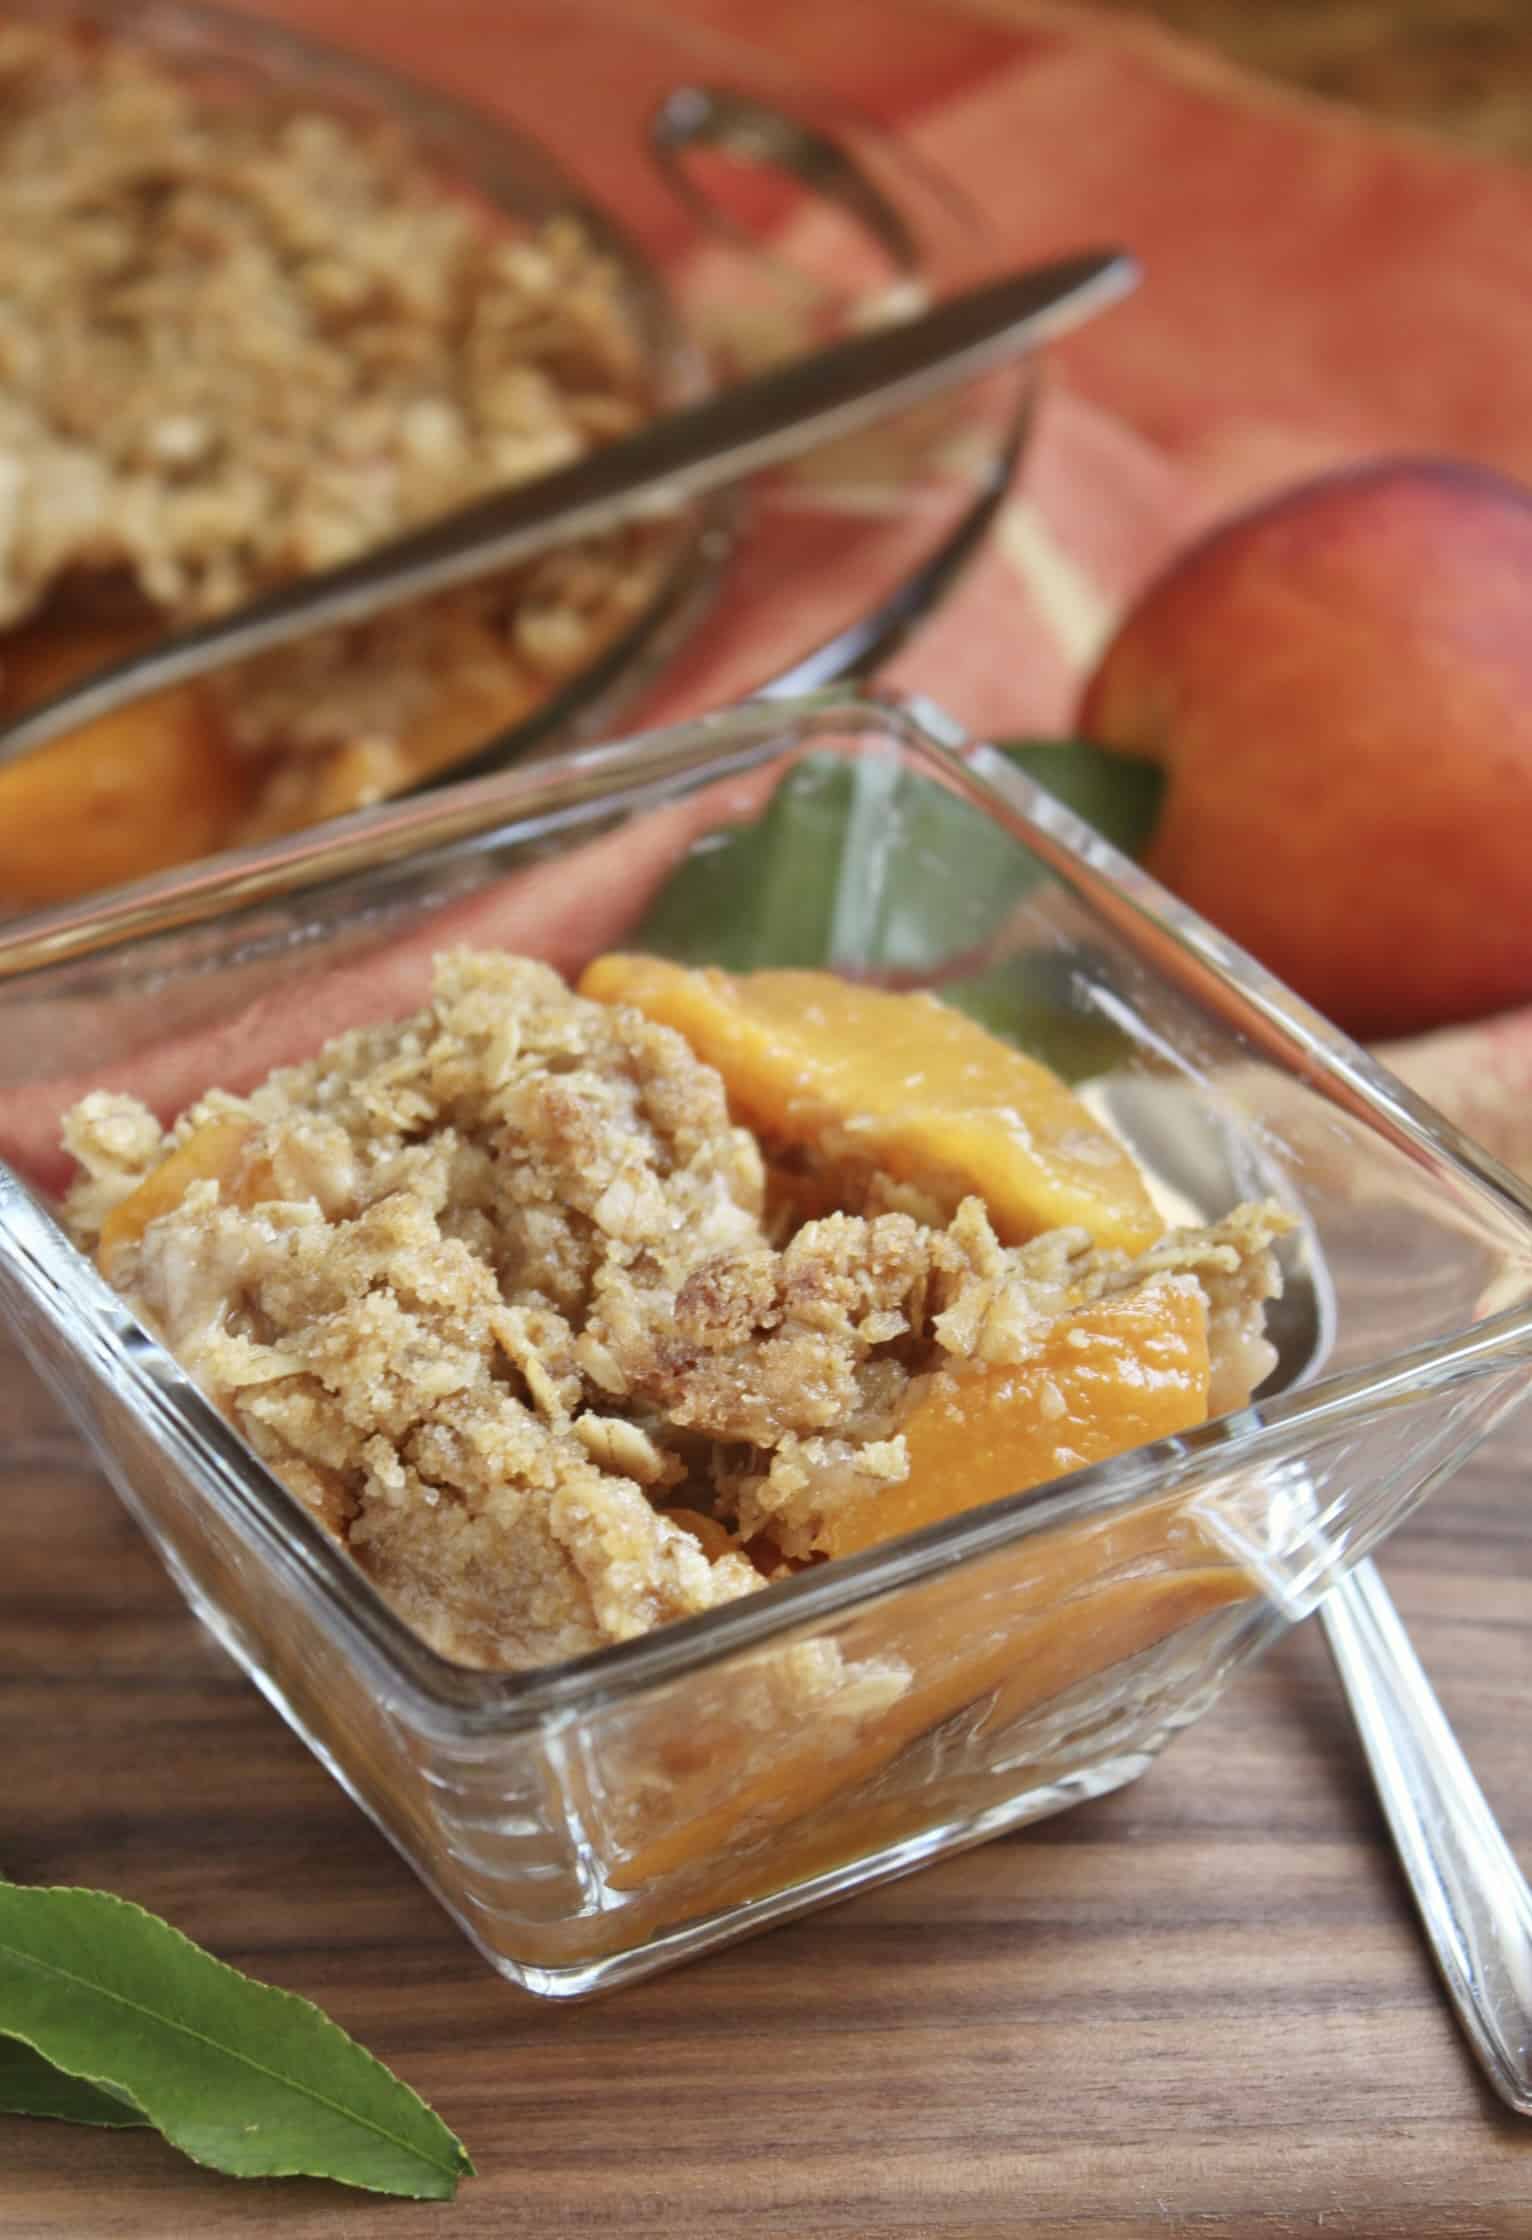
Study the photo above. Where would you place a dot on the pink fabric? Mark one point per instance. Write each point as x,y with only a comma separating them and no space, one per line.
559,911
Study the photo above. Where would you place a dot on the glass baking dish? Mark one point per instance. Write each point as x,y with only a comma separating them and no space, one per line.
589,1823
746,224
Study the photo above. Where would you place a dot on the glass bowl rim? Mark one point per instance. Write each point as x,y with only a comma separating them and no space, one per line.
627,775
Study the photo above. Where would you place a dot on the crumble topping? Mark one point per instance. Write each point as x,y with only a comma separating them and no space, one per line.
241,340
519,1313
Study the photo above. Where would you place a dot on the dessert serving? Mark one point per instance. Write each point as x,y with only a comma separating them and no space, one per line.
571,1313
242,338
684,1443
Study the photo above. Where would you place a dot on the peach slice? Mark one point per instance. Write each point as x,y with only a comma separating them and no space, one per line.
131,793
713,1538
1109,1377
901,1082
751,1810
207,1155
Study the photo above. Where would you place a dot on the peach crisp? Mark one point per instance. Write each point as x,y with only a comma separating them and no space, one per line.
571,1313
242,340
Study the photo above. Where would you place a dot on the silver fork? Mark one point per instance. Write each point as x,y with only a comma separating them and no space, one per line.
1473,1900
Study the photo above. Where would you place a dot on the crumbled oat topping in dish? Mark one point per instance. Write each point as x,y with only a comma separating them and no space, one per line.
241,340
509,1302
236,344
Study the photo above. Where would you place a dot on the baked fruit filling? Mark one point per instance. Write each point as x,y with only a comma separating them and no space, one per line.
242,339
570,1313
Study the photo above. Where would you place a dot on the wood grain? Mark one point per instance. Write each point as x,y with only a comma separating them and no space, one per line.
1199,2007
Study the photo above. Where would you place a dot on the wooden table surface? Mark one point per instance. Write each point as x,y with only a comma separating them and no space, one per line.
1198,2007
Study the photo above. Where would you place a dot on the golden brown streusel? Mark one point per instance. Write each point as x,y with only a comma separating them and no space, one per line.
239,341
492,1288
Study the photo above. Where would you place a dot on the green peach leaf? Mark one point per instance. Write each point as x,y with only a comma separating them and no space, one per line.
30,2086
1119,795
752,891
237,2074
867,865
777,890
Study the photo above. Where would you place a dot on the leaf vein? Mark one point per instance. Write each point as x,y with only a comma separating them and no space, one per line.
233,2053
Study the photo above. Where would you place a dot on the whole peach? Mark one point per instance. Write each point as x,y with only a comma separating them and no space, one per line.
1338,685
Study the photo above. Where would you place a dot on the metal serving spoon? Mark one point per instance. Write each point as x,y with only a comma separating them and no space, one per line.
758,423
1474,1903
1473,1899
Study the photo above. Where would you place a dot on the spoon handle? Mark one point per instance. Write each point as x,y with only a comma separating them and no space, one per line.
1473,1900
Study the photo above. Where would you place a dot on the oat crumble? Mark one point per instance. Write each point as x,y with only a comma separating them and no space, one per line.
240,340
512,1306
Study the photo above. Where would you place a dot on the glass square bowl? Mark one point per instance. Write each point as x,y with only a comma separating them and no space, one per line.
591,1822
